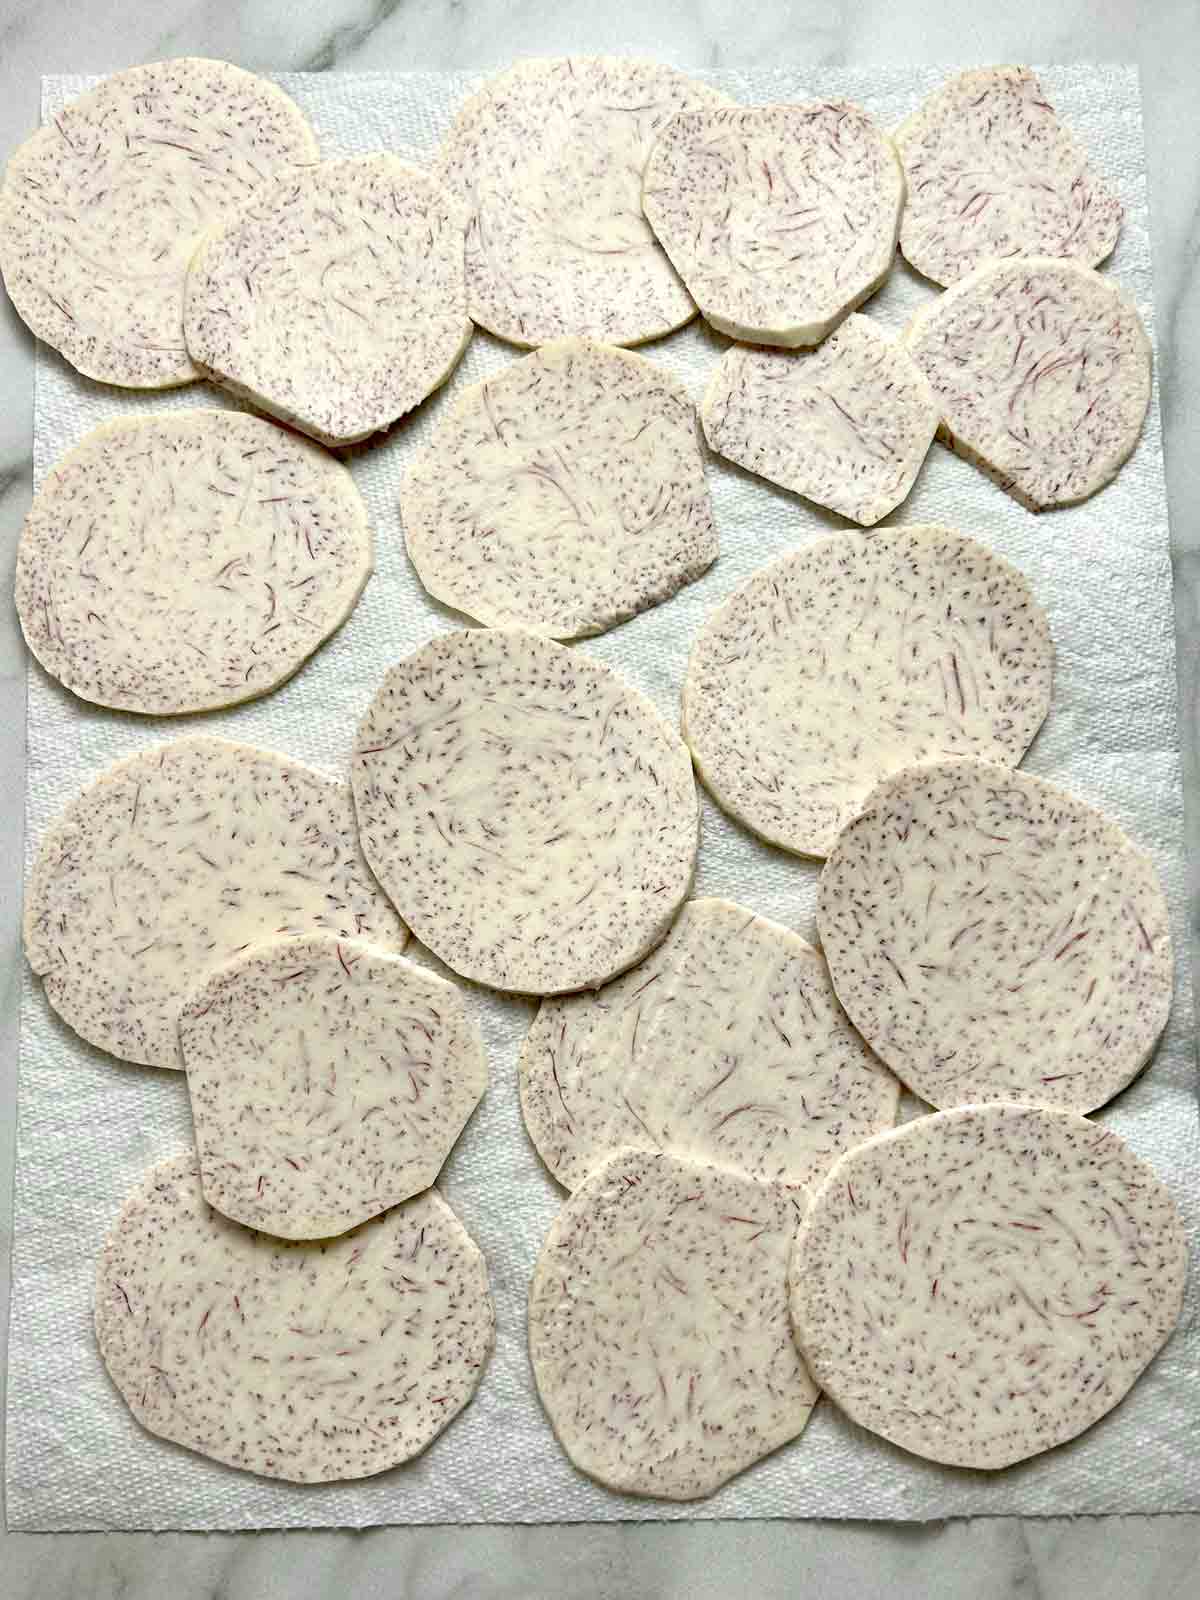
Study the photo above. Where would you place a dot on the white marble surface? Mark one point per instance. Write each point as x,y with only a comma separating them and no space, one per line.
988,1557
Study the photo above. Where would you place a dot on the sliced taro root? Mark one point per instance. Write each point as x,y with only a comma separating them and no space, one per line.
984,1284
994,938
658,1325
328,1079
308,1362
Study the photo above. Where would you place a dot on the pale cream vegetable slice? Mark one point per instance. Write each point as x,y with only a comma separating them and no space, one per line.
308,1362
992,172
548,159
527,811
847,426
853,657
984,1284
329,1079
994,938
174,860
563,495
727,1044
188,560
101,210
1041,371
658,1325
337,301
779,219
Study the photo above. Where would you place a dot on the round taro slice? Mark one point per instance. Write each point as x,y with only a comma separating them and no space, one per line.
564,495
1013,1271
527,811
992,172
856,656
548,158
779,219
309,1362
337,301
847,426
329,1080
101,210
658,1325
994,938
186,561
1041,370
727,1044
175,860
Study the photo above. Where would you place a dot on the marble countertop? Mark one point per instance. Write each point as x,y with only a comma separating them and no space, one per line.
989,1557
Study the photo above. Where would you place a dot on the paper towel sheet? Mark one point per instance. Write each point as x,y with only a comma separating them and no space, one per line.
90,1126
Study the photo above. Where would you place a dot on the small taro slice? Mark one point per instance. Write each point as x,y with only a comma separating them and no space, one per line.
337,301
175,860
526,809
847,426
101,209
548,157
328,1080
779,219
992,172
1041,370
309,1362
195,559
658,1325
726,1044
994,938
564,495
852,657
983,1284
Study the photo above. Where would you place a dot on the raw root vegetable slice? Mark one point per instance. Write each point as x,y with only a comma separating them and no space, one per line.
1041,370
548,158
855,656
779,219
984,1284
658,1325
564,495
101,210
329,1080
847,426
994,938
190,560
526,809
727,1044
992,172
175,860
337,301
310,1362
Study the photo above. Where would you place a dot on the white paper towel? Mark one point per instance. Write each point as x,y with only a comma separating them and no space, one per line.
89,1126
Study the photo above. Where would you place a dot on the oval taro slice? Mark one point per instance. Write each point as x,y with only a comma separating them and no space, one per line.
308,1362
658,1325
101,209
1014,1269
329,1079
563,495
548,158
779,219
854,656
847,426
994,938
526,809
175,860
189,560
727,1044
1041,371
992,172
337,301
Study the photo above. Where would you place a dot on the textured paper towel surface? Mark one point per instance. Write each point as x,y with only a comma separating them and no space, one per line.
89,1125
